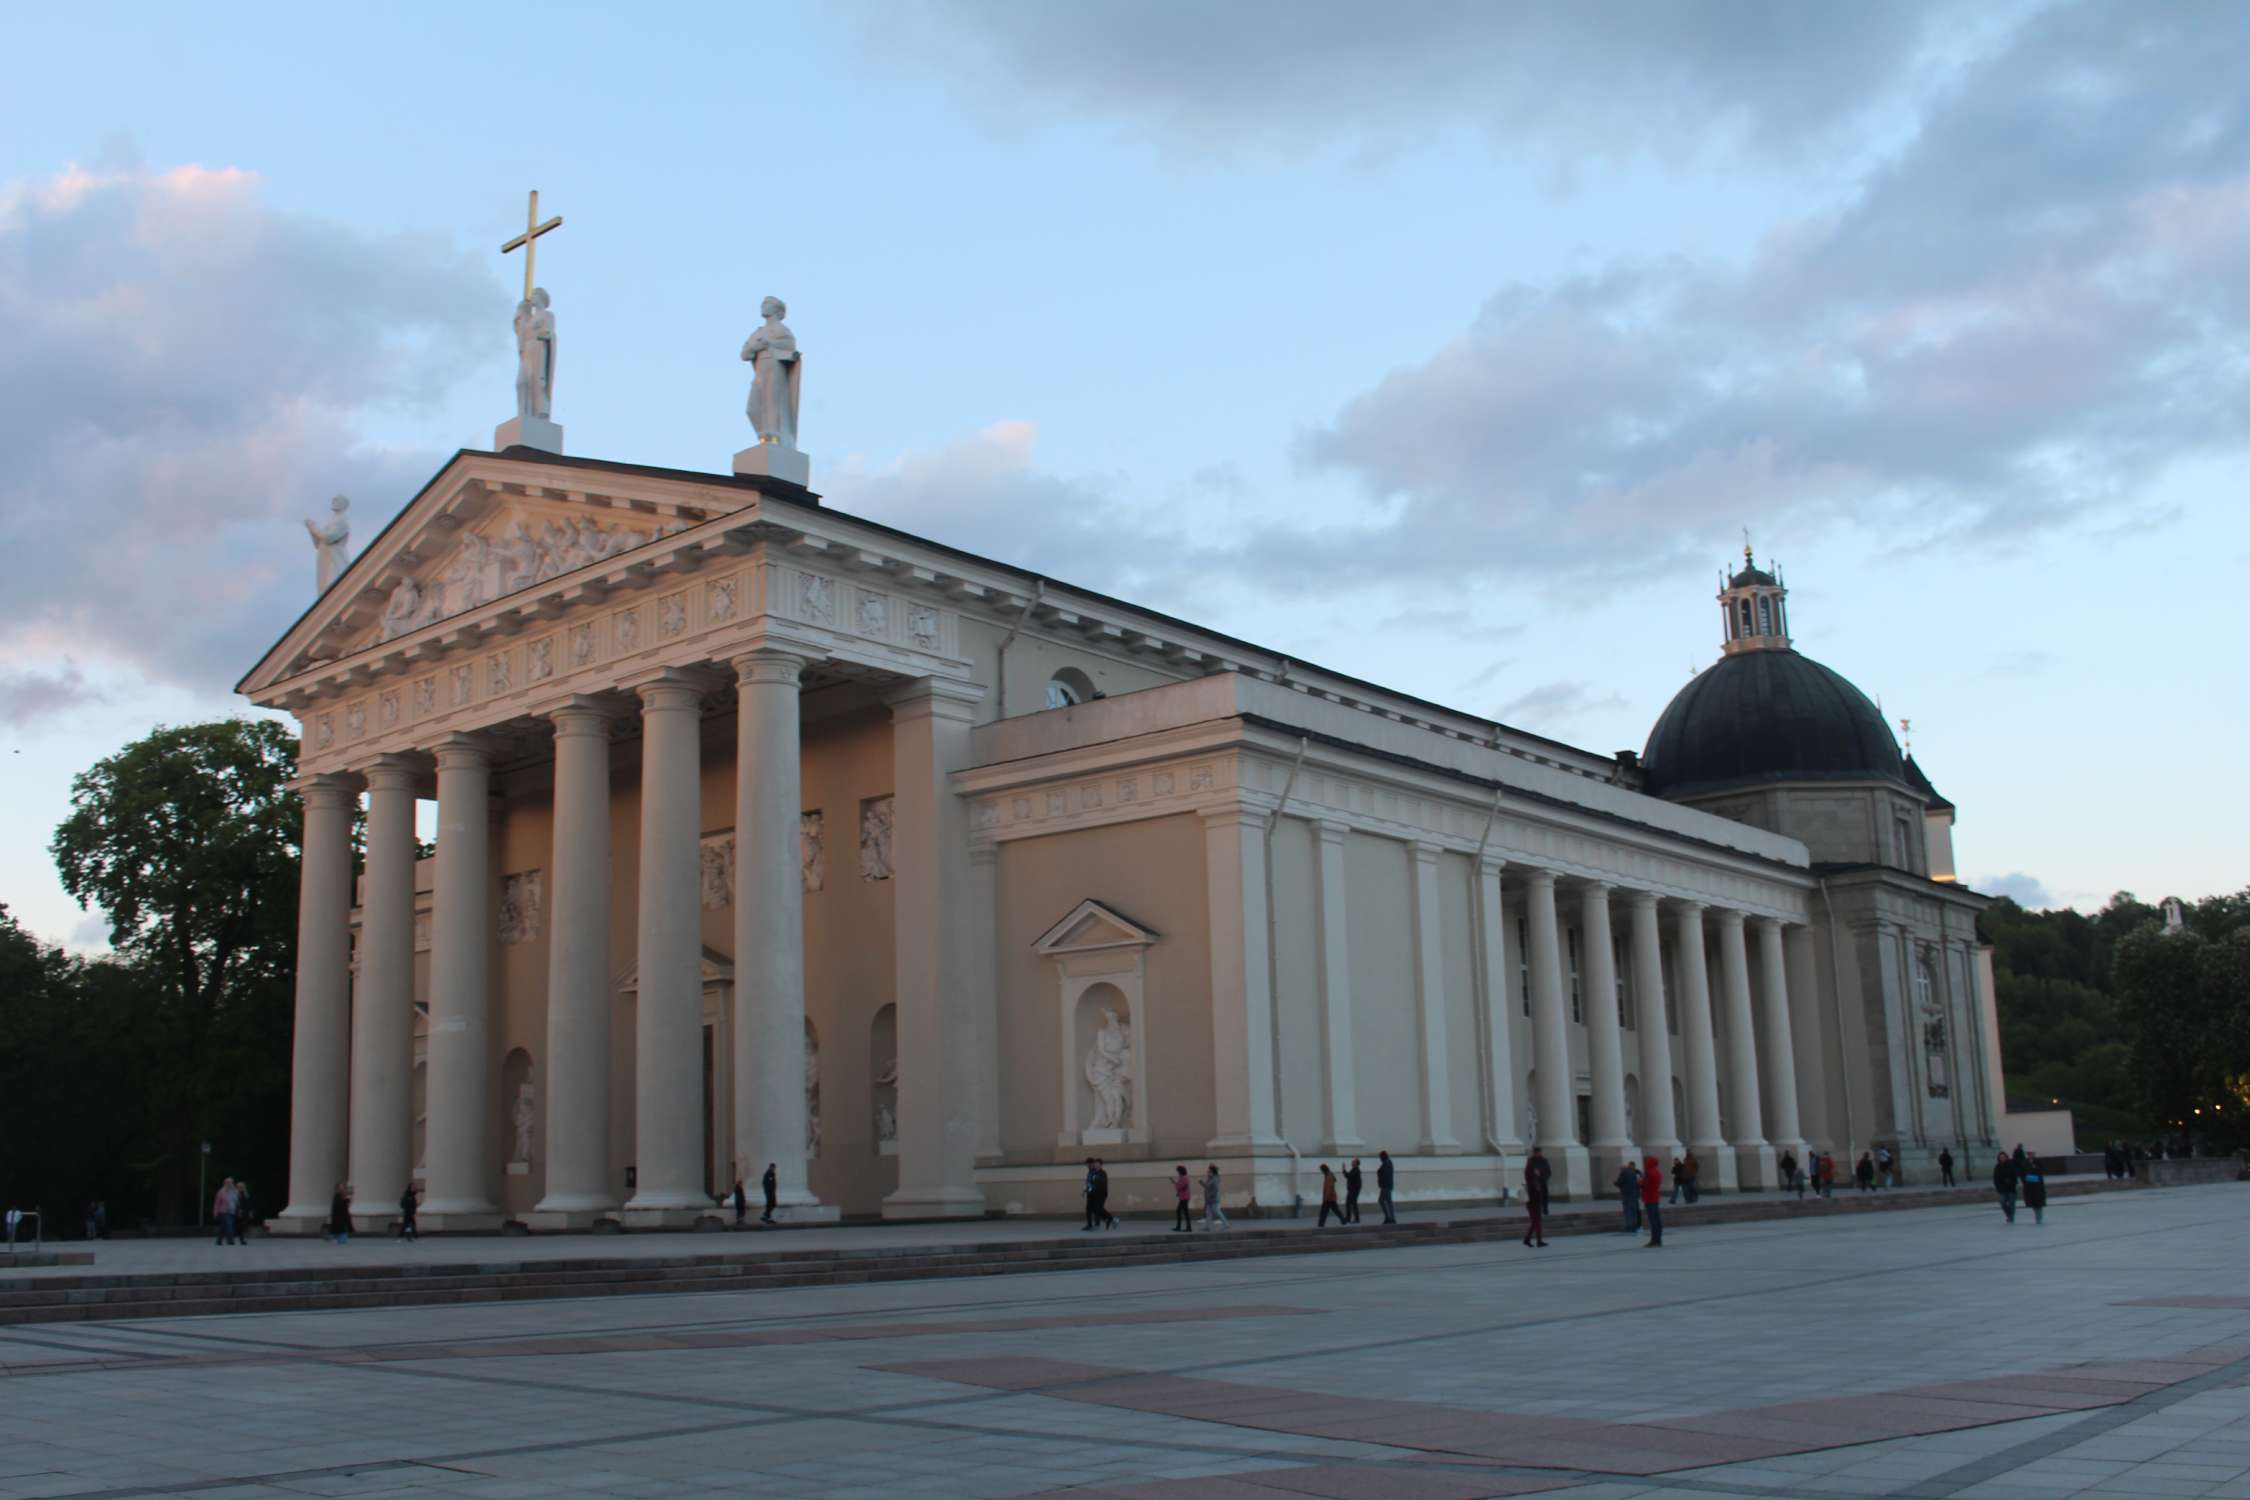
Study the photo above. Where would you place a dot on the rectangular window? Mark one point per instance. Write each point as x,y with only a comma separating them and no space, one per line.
1577,1001
1523,964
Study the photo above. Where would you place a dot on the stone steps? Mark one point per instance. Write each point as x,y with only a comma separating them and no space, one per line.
75,1298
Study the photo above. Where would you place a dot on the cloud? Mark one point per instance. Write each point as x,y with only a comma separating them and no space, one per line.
27,696
188,370
2025,890
1289,75
1553,703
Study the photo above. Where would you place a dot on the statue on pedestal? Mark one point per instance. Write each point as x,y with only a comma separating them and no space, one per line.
330,542
535,356
777,376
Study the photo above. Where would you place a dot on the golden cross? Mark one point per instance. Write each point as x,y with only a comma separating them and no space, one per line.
532,229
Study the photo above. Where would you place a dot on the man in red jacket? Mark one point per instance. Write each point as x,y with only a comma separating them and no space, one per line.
1652,1205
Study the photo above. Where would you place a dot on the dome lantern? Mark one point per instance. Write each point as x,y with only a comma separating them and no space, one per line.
1753,609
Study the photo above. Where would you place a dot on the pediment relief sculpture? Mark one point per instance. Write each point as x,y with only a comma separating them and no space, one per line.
518,553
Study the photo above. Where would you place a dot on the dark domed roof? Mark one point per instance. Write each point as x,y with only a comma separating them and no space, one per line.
1760,716
1749,574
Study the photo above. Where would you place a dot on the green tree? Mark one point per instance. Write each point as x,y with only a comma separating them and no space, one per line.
187,841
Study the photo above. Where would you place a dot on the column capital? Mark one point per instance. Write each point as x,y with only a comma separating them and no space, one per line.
769,665
1491,863
1762,923
463,752
585,713
677,689
1538,876
1595,887
1642,900
393,773
1426,851
1690,909
1332,830
331,789
1234,815
1729,917
934,697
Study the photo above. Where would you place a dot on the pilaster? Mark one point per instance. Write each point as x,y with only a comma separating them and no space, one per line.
1234,853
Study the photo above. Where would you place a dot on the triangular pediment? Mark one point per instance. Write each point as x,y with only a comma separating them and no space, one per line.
716,968
488,528
1092,927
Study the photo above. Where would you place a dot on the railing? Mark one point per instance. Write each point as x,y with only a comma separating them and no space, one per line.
38,1222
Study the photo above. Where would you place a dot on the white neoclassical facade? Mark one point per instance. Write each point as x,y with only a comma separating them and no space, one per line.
768,834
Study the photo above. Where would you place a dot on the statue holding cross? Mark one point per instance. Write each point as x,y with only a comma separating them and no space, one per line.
534,426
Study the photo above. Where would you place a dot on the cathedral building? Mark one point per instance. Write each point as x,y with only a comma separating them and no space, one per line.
769,834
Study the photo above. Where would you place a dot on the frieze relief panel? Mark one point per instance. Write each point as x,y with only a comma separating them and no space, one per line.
519,551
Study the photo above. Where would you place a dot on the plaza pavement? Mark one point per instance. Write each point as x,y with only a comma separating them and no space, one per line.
1921,1353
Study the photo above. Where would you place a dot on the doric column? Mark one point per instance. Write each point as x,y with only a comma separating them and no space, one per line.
1753,1154
1781,1047
383,1009
769,930
580,1188
1429,1003
320,1050
1818,1111
458,1144
1341,1134
668,1144
1499,1041
1699,1066
937,931
1234,855
1660,1131
1605,1041
1550,1042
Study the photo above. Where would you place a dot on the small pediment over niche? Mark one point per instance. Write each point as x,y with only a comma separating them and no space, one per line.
717,969
1091,928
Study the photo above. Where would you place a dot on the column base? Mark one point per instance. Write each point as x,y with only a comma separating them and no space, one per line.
484,1221
810,1211
1570,1172
1757,1166
374,1223
674,1218
1717,1161
563,1220
1253,1144
941,1203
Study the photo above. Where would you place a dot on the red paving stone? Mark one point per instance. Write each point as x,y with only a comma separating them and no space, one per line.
1638,1448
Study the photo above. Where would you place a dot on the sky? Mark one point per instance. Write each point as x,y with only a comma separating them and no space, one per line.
1454,346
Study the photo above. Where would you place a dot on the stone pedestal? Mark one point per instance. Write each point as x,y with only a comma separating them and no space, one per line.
1757,1167
765,460
528,432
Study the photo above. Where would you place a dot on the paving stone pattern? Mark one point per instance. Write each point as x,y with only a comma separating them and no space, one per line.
1928,1354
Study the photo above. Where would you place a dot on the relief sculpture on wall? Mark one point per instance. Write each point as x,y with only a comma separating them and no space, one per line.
484,568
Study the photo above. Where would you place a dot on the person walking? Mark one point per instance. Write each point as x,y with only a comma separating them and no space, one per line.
741,1201
409,1202
1691,1177
1883,1165
1628,1187
1328,1203
2033,1182
1181,1187
1102,1215
1386,1178
340,1215
1354,1180
1945,1166
1536,1174
1213,1209
771,1183
1788,1165
2021,1158
1827,1174
222,1210
2004,1183
1652,1202
1864,1173
1679,1175
1088,1190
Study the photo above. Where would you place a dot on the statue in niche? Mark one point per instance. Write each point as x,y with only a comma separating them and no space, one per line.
331,542
875,839
524,1115
886,1112
535,356
1109,1072
777,375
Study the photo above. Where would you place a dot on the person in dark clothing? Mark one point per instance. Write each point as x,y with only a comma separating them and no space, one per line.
1328,1203
1864,1173
2021,1158
1945,1166
1354,1179
1536,1174
340,1215
1181,1189
245,1213
1788,1165
1652,1201
1092,1213
1690,1178
771,1182
2033,1181
1386,1178
408,1202
2004,1183
741,1203
1628,1187
1102,1215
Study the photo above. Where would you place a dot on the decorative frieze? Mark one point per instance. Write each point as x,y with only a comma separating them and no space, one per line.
485,567
718,871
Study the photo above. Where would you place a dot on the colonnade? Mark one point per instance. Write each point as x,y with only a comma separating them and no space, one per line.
351,1102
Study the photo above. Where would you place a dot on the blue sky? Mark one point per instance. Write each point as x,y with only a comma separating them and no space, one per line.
1453,350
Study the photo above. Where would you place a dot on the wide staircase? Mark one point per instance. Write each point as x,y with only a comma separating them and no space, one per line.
475,1275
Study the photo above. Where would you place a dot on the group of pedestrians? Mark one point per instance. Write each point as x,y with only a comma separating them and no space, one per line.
1183,1191
2019,1172
1640,1193
233,1211
1353,1180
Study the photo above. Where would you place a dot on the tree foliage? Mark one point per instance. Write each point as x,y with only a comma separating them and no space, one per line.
187,841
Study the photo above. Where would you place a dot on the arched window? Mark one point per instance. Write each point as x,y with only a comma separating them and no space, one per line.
1745,617
1765,614
1069,687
